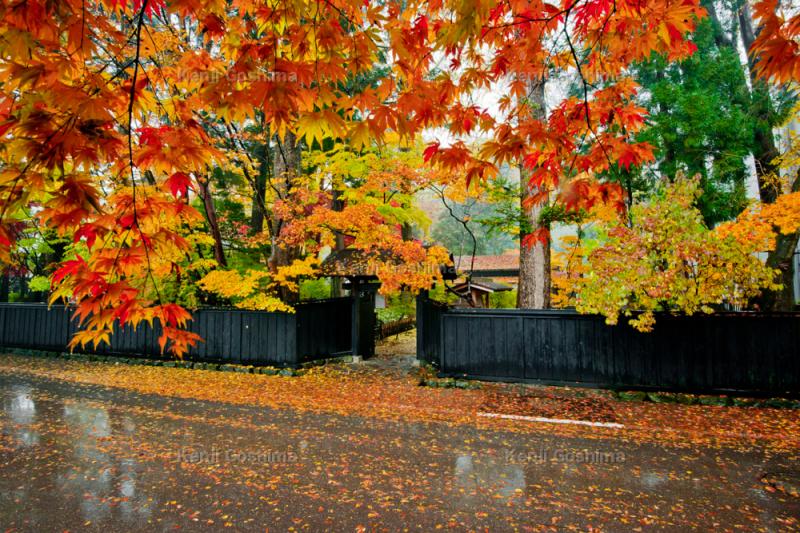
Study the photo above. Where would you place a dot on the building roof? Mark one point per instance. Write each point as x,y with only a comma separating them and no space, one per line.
355,263
505,265
352,262
481,284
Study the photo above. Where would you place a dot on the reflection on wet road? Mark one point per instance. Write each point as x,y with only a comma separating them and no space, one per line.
75,457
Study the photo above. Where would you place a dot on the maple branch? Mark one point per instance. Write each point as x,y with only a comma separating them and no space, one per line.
464,223
586,86
232,129
35,159
132,165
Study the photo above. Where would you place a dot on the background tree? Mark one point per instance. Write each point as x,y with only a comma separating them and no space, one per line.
701,121
667,259
451,234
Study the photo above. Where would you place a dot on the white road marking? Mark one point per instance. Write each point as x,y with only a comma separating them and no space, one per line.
553,420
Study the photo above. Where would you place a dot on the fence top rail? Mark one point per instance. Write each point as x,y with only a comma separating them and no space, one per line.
338,299
571,313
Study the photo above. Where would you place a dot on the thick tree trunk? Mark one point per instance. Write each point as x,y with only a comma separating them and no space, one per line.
534,261
782,258
721,38
768,173
213,223
286,169
765,149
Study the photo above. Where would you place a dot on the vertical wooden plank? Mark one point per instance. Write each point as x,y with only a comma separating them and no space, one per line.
42,330
244,346
272,343
534,345
462,331
448,344
64,322
21,331
206,350
291,339
284,330
13,331
457,341
5,318
503,360
221,334
199,351
586,342
236,335
645,347
530,346
30,327
557,348
3,327
225,335
264,349
213,335
281,327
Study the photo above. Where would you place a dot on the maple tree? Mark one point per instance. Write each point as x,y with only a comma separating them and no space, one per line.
109,110
561,151
117,114
365,200
668,260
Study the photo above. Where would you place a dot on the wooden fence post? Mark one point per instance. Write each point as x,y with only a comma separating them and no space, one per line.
355,295
420,318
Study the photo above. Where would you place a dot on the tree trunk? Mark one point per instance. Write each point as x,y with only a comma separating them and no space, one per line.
286,169
534,261
337,283
406,231
257,212
782,258
213,223
768,174
721,38
765,149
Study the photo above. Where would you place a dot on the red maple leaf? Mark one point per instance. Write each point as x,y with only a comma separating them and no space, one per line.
540,235
179,184
68,268
430,151
88,231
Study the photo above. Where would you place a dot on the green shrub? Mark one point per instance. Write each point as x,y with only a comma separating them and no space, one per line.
315,289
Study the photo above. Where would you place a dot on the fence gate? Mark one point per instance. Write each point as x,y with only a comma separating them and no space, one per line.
364,319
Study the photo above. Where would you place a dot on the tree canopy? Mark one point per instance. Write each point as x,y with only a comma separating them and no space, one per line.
120,118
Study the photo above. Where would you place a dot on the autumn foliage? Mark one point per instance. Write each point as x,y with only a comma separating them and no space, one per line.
667,260
776,46
114,114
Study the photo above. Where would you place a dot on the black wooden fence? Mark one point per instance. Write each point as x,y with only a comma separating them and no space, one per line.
429,328
316,330
755,352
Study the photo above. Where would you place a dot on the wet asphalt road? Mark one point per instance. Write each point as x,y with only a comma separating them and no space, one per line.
87,458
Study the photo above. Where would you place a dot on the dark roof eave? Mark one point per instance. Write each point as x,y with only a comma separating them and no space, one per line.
494,272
